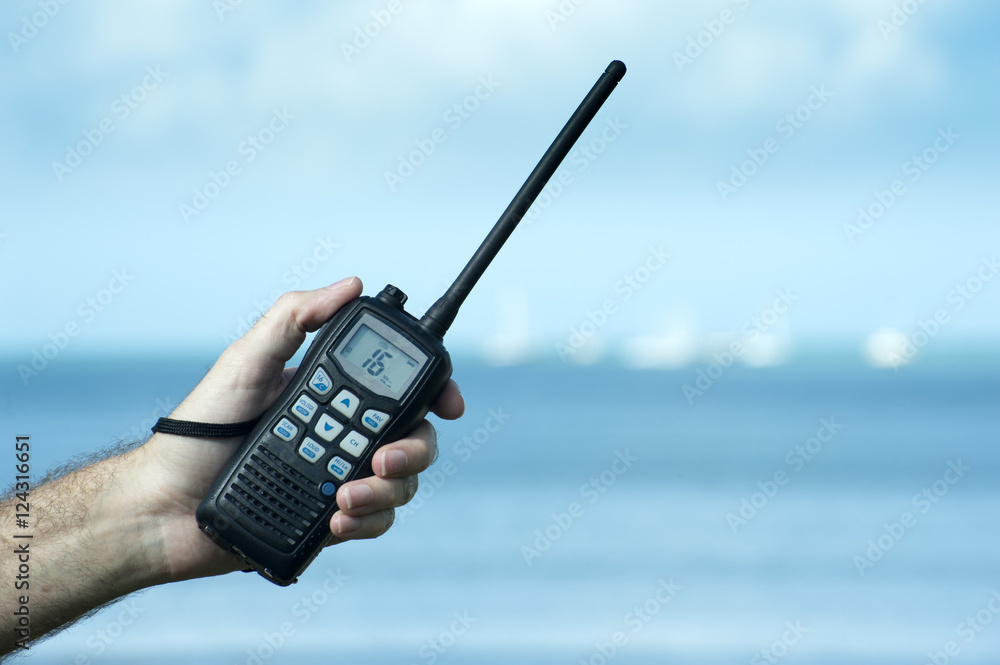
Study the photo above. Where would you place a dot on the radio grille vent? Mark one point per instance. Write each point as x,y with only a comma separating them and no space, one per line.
275,497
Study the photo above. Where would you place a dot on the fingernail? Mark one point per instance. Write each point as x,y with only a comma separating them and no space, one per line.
346,524
358,496
393,461
341,284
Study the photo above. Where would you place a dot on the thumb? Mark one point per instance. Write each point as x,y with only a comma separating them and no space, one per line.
248,375
280,331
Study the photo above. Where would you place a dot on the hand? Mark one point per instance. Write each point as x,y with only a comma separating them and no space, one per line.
247,379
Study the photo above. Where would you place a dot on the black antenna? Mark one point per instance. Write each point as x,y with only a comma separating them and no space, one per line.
440,316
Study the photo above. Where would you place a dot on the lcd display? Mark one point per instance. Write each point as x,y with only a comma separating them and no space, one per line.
380,360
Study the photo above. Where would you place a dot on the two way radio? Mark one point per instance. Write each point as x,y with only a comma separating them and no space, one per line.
368,378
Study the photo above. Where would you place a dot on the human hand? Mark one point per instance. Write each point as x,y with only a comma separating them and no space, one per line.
249,376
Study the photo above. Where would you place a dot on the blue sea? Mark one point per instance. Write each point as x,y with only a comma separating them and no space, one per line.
821,512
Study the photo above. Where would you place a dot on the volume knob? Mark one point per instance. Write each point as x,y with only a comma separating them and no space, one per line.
390,295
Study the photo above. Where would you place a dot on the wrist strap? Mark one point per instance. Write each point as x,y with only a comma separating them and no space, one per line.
204,430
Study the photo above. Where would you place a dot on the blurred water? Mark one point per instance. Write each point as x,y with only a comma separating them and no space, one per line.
460,549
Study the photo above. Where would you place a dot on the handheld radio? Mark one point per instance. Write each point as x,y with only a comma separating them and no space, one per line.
368,378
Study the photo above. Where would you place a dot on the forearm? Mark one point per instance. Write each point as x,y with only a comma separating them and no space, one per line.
94,539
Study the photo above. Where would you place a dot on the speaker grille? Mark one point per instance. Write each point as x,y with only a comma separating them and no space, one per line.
275,497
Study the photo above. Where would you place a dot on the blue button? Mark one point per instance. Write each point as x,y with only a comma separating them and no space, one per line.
339,467
320,382
328,489
310,450
375,420
304,408
286,429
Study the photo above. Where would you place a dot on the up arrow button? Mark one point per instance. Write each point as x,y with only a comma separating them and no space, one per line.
346,402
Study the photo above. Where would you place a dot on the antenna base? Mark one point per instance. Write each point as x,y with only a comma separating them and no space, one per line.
437,320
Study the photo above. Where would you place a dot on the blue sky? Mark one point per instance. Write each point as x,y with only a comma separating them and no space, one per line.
313,204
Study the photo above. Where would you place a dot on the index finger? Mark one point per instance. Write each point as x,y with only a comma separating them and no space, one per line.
450,404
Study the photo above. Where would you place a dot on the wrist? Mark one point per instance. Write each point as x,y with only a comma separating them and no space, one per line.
125,524
171,476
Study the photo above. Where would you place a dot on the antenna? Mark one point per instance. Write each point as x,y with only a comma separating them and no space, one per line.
441,314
